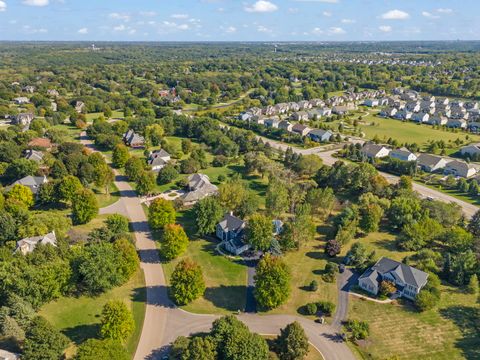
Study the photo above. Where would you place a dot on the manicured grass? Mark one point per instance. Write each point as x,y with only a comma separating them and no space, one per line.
80,232
399,331
107,199
472,199
79,318
308,264
409,132
73,133
225,279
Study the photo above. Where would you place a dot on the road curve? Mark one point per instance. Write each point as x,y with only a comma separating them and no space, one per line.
164,322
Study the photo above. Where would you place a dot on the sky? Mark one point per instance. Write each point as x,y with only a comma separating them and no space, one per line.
239,20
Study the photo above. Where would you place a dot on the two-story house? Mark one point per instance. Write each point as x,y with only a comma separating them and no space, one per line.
231,230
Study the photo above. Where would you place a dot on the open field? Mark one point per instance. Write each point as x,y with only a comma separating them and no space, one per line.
79,318
399,331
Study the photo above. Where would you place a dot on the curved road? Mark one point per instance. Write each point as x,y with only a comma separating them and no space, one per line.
164,322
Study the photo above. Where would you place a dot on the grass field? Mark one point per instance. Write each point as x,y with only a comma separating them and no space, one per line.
79,318
399,331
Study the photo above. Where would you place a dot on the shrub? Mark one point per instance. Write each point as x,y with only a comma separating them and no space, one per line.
358,330
386,288
313,285
311,309
326,307
331,270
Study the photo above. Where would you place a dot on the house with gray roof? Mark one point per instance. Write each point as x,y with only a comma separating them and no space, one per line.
430,163
32,182
299,116
301,129
231,230
34,155
320,135
403,154
374,151
27,245
134,140
158,159
23,119
285,125
21,100
472,149
199,187
408,280
460,168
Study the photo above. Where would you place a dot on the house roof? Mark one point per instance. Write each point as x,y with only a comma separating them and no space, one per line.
460,165
27,245
402,152
200,187
40,142
428,160
371,149
34,155
405,273
33,182
299,127
231,223
158,157
319,132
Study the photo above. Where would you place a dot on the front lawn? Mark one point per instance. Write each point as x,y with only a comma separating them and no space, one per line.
79,318
399,331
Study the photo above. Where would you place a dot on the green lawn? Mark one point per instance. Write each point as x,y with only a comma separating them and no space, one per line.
107,199
79,318
399,331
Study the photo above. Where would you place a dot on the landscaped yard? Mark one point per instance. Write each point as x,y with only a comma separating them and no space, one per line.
79,318
399,331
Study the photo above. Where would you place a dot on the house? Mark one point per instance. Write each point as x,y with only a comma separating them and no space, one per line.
158,159
277,227
374,151
403,115
301,129
7,355
389,112
293,106
460,168
430,163
272,122
32,182
79,106
299,116
34,155
54,106
21,100
472,149
231,230
245,116
23,119
340,110
27,245
304,105
371,102
53,93
134,140
43,143
403,154
320,135
456,123
420,117
408,280
285,125
29,89
199,187
437,119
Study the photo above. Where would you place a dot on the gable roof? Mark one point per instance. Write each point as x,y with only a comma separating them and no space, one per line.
371,149
409,275
231,223
27,245
428,160
34,155
402,152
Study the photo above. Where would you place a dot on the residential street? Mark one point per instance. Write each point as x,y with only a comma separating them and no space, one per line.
164,322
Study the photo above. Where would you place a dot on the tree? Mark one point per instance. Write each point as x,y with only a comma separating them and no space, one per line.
333,248
426,300
20,168
8,227
21,194
404,210
360,257
272,282
117,224
85,207
134,167
161,213
371,214
208,213
415,236
43,341
94,349
167,174
174,241
474,224
386,288
154,134
186,283
68,188
473,284
405,183
231,194
308,165
145,183
129,261
117,321
292,343
259,232
330,272
200,348
321,201
359,330
297,232
276,200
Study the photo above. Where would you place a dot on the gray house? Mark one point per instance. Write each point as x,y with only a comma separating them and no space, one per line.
320,135
408,280
27,245
134,140
158,159
430,163
199,187
32,182
231,231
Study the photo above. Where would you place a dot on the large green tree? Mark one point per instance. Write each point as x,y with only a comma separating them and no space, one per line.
117,321
292,343
174,241
186,283
85,207
272,282
259,232
94,349
208,213
161,213
43,341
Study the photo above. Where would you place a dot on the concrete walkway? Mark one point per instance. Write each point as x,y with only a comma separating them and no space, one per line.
164,322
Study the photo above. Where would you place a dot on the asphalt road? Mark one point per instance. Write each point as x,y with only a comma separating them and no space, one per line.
164,322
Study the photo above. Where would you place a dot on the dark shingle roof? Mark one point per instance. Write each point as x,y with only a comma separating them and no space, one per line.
406,273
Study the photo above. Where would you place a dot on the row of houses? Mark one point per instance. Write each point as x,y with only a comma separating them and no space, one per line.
426,162
410,106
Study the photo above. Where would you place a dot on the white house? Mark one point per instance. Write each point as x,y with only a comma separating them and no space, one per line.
460,168
371,102
472,149
374,151
231,230
403,154
430,163
27,245
158,159
420,117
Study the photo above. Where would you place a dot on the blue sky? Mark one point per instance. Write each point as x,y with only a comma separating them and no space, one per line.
239,20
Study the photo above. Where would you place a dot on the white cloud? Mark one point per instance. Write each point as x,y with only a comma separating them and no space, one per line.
82,31
120,28
395,15
118,16
173,26
148,13
29,30
348,21
429,15
264,29
3,6
385,28
262,6
336,31
322,1
231,29
35,2
317,31
179,16
444,10
327,13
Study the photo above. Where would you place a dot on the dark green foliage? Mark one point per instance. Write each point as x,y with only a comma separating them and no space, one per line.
94,349
167,174
292,343
208,213
272,282
43,341
358,330
85,207
186,283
